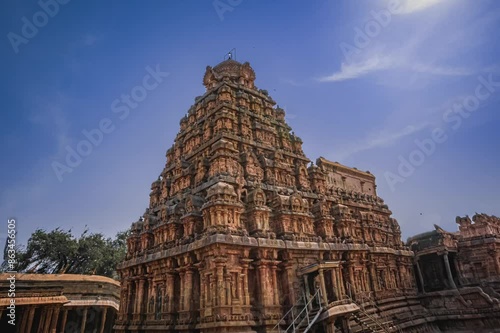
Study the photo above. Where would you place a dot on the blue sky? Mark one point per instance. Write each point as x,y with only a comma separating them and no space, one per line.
361,82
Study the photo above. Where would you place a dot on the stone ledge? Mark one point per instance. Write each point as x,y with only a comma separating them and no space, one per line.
258,242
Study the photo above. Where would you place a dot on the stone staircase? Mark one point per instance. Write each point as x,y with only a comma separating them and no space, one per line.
369,318
369,325
302,316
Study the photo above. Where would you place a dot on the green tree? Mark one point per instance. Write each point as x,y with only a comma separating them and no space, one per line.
59,252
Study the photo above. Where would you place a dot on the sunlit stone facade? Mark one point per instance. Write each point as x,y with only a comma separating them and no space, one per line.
241,224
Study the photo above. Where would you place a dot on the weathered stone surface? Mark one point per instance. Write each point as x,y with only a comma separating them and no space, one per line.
239,227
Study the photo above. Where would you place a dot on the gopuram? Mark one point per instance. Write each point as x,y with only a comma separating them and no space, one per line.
244,233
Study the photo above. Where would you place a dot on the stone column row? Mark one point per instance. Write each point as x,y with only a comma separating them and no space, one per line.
49,318
27,319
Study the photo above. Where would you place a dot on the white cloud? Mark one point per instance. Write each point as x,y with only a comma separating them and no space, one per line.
413,6
352,71
422,50
394,62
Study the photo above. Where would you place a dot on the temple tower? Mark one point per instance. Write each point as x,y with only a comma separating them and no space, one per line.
240,229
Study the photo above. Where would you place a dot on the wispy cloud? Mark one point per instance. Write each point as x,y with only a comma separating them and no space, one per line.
380,63
352,71
413,6
422,50
383,138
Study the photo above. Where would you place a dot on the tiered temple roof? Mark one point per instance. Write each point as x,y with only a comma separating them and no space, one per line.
239,207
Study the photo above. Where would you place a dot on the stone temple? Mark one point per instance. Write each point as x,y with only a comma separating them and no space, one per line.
245,234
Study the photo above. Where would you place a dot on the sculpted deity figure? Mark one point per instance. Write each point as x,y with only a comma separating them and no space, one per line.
200,172
233,287
206,133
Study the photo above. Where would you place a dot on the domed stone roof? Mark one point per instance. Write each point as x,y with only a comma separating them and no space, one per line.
229,70
228,66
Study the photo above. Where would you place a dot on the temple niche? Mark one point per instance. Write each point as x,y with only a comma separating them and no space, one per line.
469,257
461,270
242,228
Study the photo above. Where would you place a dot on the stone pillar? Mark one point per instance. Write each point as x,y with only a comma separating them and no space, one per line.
246,294
123,299
135,296
419,273
170,292
458,269
448,270
213,289
307,291
24,318
220,294
351,280
263,282
239,288
335,283
203,292
306,285
43,319
55,317
129,303
84,320
291,290
103,320
150,293
340,279
323,286
373,275
182,291
275,284
31,315
227,284
140,297
63,320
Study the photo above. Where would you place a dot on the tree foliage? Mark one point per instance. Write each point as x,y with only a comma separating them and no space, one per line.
59,252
